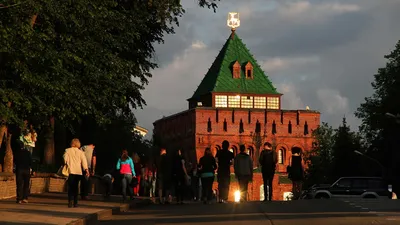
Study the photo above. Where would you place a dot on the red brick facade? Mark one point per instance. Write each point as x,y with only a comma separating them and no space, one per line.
190,131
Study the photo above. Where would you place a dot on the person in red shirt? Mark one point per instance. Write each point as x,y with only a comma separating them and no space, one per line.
138,170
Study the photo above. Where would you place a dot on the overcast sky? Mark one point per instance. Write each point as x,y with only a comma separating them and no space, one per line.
318,53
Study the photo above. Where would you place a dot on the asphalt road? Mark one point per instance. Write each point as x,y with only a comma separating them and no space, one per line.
307,212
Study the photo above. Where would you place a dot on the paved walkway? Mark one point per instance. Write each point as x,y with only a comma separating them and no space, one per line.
51,208
304,212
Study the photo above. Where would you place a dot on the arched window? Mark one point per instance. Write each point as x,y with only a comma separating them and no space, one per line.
251,151
241,129
281,156
236,70
234,149
249,70
225,125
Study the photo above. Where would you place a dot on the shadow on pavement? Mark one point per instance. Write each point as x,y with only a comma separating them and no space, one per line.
248,212
21,223
46,212
81,204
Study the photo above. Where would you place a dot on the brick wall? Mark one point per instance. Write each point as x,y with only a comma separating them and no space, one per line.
254,188
281,118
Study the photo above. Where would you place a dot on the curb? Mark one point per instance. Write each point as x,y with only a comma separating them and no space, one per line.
94,218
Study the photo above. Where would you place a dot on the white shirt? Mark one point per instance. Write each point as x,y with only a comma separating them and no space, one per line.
75,159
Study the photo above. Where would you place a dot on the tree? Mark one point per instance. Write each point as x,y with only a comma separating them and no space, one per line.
258,141
66,60
319,159
345,144
79,59
381,133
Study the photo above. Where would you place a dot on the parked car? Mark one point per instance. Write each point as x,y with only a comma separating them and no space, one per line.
350,187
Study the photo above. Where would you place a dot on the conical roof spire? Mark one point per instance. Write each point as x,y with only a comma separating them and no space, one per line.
220,77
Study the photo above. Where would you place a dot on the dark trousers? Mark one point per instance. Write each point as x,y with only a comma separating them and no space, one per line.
179,183
243,185
23,178
206,184
107,182
73,182
223,186
268,177
195,188
85,184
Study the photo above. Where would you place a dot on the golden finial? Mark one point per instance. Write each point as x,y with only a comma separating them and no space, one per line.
233,22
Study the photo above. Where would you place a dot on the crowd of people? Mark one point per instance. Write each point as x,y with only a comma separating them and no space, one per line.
169,178
203,175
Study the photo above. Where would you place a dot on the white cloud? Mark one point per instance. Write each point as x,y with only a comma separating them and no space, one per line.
279,63
332,101
198,45
290,98
172,84
301,11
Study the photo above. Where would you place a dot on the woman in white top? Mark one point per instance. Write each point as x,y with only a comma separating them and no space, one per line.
75,160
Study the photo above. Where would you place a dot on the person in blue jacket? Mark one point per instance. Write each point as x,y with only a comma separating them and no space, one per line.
127,171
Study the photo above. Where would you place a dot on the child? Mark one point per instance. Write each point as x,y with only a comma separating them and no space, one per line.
108,181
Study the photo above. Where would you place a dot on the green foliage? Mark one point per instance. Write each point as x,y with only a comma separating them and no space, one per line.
346,143
79,59
320,158
72,60
209,3
377,130
333,156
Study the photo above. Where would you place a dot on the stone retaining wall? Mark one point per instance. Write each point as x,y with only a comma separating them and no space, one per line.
42,183
39,184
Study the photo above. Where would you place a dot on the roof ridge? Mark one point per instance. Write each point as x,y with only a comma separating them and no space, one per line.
224,48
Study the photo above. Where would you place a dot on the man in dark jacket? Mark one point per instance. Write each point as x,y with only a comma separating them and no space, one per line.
268,160
224,160
163,177
243,165
23,165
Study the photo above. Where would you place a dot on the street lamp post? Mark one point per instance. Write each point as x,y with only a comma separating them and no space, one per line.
370,158
392,116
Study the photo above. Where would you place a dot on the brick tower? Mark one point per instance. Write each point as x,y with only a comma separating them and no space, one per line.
237,102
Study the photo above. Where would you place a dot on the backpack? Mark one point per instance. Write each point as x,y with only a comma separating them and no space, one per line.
268,160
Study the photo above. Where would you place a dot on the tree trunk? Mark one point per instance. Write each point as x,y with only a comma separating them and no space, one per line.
8,158
49,148
3,127
3,130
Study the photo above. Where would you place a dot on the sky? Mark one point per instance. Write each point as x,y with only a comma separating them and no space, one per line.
317,53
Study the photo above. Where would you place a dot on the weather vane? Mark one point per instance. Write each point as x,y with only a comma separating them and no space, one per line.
233,20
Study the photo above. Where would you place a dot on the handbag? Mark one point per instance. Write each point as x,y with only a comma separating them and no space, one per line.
134,182
63,171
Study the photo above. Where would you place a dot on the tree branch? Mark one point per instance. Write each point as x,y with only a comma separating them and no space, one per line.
10,6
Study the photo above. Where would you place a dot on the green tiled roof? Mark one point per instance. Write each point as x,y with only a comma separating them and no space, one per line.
219,77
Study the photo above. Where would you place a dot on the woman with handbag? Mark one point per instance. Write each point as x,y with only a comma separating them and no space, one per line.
74,162
127,170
